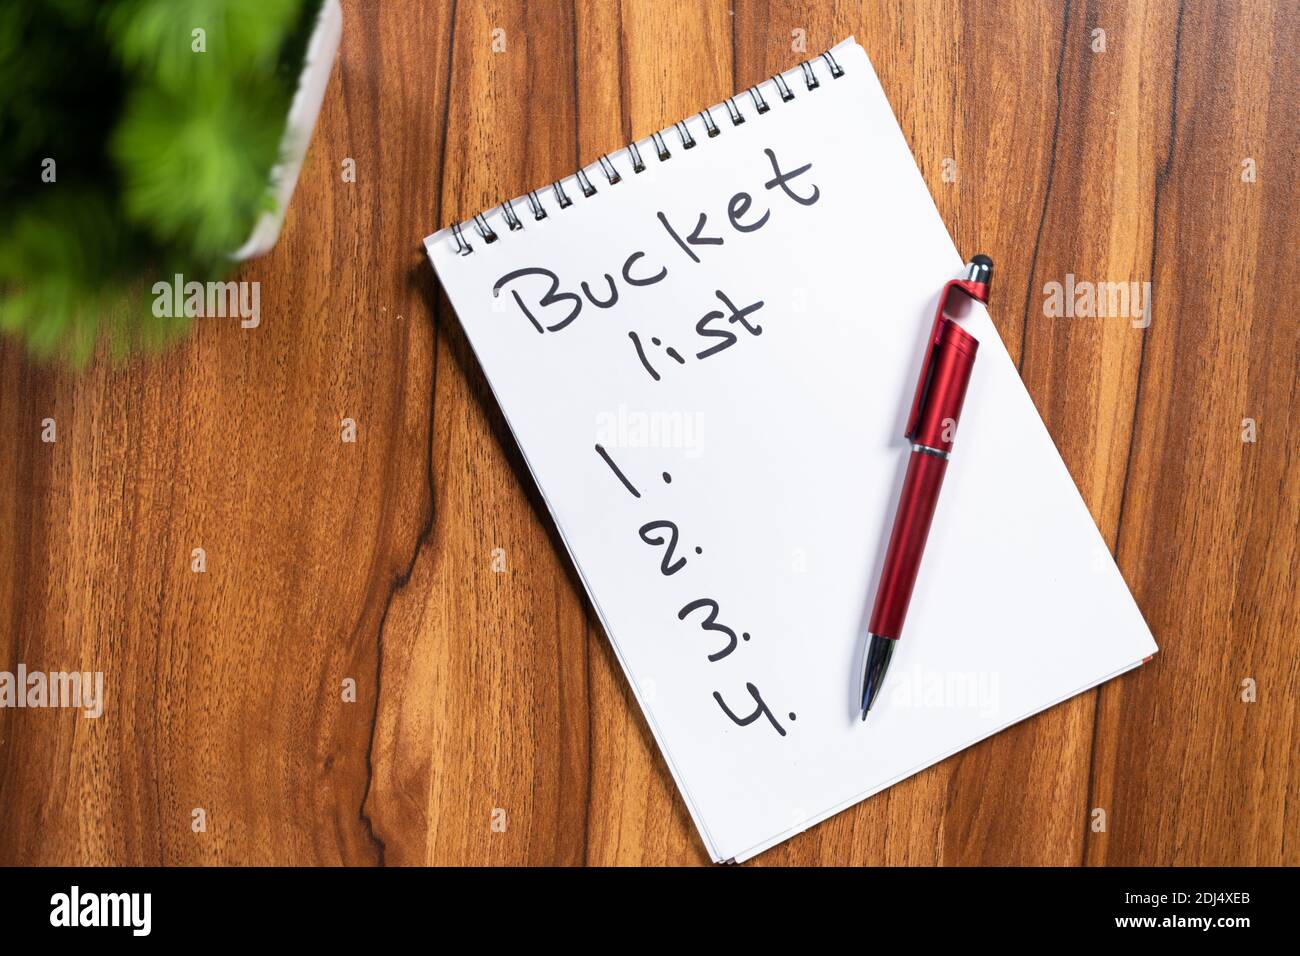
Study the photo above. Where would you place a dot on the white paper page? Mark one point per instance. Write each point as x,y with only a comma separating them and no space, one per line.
785,453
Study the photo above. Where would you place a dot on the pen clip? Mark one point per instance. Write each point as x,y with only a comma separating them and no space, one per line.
976,287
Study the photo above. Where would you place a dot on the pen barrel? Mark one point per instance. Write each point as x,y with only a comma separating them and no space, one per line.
916,506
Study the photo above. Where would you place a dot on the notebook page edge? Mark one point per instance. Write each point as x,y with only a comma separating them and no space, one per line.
821,817
660,741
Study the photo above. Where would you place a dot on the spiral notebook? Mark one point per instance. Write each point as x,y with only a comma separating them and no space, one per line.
705,346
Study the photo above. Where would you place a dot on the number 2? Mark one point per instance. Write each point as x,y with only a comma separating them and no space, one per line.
668,566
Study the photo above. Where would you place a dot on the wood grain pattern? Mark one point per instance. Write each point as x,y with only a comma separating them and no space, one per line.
480,692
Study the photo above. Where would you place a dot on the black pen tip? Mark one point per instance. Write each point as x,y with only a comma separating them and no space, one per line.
876,664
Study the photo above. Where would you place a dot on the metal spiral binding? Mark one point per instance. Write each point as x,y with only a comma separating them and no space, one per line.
637,165
610,171
660,147
787,94
836,70
535,204
483,229
508,210
463,248
809,77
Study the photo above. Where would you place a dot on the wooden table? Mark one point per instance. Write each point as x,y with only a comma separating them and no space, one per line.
490,722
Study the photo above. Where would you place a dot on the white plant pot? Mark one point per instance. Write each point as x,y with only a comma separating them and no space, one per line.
322,49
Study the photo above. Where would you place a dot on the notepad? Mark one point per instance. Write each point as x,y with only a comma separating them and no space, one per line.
705,345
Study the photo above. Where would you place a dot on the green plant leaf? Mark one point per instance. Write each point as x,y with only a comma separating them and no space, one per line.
195,171
158,38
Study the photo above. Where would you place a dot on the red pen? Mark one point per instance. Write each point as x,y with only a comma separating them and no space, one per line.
931,427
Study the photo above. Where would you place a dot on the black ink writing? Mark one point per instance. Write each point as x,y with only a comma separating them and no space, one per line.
710,623
640,353
694,239
737,208
667,566
551,297
728,338
781,179
650,280
666,534
607,303
760,711
555,295
600,450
